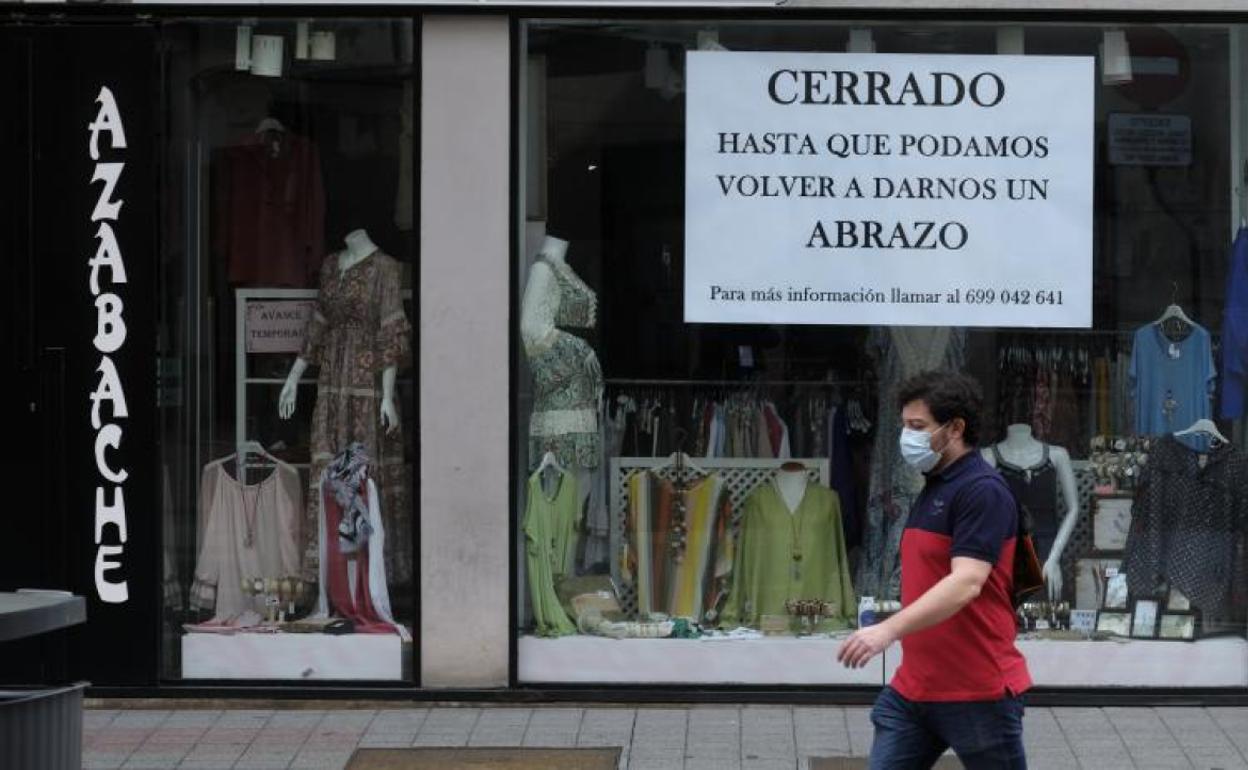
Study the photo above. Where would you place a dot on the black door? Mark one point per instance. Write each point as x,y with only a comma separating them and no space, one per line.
82,497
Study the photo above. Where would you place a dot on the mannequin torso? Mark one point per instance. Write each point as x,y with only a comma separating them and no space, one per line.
1024,452
1020,447
359,248
792,487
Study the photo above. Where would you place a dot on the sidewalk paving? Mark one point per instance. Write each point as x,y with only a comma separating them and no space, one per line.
653,738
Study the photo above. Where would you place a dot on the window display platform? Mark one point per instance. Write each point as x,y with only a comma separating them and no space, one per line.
769,661
791,661
360,657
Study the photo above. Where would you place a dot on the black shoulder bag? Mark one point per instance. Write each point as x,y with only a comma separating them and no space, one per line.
1028,571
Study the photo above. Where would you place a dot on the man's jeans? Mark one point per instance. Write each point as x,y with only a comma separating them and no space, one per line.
986,735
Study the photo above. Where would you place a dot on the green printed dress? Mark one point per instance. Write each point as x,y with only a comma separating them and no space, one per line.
550,548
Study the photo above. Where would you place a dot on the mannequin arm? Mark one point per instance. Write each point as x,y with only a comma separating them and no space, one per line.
537,310
290,389
389,414
1070,494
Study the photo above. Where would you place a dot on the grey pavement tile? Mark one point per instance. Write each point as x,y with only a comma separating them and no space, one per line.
332,739
259,751
858,717
553,727
167,754
245,717
296,718
601,741
386,741
104,742
228,735
321,760
447,727
1097,747
274,735
500,727
724,750
504,719
354,719
1052,762
398,720
1223,760
635,763
172,736
659,732
113,734
151,763
1158,759
98,761
191,764
98,717
261,764
606,727
216,753
1234,724
768,764
193,718
451,719
698,763
140,717
860,743
609,717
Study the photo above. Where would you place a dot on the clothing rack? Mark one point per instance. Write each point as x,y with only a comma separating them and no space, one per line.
655,383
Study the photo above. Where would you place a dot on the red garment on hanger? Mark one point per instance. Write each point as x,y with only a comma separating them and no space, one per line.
269,211
358,609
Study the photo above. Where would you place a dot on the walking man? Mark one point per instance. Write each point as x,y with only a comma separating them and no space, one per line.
961,678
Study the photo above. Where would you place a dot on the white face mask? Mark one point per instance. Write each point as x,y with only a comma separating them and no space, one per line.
916,449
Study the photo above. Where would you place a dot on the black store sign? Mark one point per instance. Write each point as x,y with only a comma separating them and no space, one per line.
83,185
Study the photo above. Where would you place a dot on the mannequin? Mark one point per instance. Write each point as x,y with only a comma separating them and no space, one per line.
537,318
1023,453
791,480
358,338
568,378
900,352
359,248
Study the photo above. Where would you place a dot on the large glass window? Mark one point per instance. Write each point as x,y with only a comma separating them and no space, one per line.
712,503
287,401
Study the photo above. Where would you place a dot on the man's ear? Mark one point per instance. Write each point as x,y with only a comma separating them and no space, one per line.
958,427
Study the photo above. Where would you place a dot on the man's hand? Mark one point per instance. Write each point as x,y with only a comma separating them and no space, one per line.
865,644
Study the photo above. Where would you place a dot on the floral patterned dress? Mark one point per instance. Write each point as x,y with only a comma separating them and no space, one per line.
358,331
900,353
567,379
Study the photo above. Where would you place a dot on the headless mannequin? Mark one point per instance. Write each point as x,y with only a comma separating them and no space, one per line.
1022,449
791,482
359,248
537,320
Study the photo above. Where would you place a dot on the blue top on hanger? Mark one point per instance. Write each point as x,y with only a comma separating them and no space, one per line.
1235,331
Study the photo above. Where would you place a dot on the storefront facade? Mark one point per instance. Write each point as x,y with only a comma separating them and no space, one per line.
546,348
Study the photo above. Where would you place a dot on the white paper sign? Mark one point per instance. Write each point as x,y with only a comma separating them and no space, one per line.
278,326
889,189
1150,140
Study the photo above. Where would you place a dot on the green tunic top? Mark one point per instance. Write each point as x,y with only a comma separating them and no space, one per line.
550,545
784,555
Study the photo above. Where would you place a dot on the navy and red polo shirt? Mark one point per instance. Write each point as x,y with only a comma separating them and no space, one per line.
965,509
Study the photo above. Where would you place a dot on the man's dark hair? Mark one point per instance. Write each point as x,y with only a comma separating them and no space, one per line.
948,395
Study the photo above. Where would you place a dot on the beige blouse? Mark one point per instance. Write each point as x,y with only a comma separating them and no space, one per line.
246,531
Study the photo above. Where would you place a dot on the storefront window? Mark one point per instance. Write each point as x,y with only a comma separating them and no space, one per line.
287,401
713,502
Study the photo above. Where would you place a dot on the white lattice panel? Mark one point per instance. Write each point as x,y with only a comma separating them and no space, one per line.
740,475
